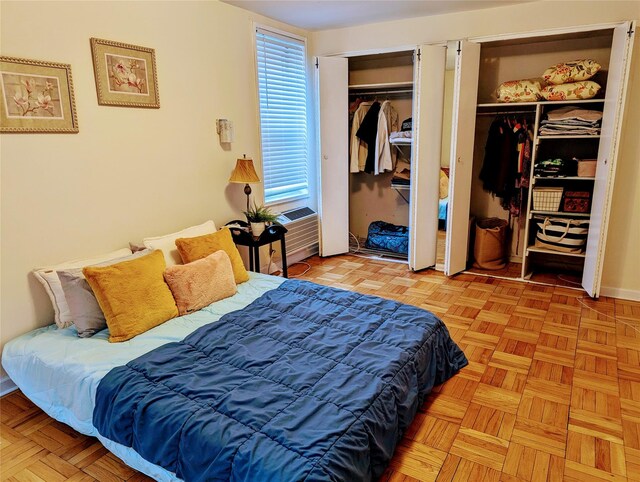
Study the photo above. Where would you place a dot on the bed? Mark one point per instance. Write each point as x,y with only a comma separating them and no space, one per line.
320,384
443,205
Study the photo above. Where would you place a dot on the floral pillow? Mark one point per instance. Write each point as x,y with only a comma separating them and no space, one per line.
572,91
573,71
526,90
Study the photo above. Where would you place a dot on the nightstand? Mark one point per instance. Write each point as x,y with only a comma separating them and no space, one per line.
242,237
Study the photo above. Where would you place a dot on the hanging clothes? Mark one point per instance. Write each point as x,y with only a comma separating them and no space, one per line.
500,157
525,143
368,132
387,123
526,166
524,139
507,165
358,150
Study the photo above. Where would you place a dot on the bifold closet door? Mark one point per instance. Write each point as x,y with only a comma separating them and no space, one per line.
428,101
614,100
332,82
465,98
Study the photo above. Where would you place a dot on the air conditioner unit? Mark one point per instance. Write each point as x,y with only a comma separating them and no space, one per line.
302,233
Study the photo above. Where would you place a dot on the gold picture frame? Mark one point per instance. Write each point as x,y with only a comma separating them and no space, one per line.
125,74
37,96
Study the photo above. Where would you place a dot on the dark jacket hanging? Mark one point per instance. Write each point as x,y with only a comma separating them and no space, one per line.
368,132
499,168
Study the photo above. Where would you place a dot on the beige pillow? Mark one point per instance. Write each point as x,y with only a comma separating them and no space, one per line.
572,71
201,282
525,90
167,243
573,91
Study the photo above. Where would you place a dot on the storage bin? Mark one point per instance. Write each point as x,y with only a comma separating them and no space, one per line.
547,198
576,202
587,167
489,247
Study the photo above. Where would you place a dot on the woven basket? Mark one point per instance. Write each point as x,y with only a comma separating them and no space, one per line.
547,198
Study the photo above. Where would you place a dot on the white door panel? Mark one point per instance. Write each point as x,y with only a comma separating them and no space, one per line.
607,153
465,95
428,100
332,81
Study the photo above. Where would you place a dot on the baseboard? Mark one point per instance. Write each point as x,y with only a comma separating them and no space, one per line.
633,295
6,385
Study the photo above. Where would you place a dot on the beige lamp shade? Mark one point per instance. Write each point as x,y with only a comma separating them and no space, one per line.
244,172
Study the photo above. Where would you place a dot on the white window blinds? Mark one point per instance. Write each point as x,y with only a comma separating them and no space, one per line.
282,88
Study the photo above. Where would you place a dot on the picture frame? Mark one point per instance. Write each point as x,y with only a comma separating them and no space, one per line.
125,74
37,97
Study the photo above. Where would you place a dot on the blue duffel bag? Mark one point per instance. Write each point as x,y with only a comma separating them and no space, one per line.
388,237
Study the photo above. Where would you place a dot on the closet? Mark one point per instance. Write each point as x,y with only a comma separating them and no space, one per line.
385,79
348,204
350,201
500,60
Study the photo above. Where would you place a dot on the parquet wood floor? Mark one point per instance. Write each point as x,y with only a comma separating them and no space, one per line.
552,390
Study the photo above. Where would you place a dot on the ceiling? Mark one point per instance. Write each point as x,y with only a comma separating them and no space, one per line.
329,14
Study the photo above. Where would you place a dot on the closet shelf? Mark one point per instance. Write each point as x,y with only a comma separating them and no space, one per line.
507,104
560,214
401,141
564,178
570,137
533,104
383,86
535,249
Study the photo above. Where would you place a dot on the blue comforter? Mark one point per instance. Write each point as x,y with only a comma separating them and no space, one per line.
306,383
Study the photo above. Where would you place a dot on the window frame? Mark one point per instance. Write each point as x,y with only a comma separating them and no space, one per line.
303,40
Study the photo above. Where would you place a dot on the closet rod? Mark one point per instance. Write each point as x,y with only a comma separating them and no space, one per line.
507,112
380,92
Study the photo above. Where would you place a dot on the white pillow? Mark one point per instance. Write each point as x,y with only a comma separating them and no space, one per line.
48,276
167,243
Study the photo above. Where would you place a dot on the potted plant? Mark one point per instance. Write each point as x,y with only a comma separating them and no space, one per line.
258,216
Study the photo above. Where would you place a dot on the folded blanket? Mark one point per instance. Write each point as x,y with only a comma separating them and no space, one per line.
572,112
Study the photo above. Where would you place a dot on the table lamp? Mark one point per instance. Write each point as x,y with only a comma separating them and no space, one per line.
244,172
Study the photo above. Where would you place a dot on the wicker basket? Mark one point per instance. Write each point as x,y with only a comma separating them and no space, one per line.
547,198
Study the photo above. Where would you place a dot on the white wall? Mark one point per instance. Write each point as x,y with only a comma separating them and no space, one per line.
622,262
129,172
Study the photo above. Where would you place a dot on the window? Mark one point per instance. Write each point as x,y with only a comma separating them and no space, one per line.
282,86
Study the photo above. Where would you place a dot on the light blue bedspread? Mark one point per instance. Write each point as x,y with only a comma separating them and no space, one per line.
443,205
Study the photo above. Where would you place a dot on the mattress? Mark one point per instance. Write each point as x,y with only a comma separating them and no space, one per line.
60,372
63,374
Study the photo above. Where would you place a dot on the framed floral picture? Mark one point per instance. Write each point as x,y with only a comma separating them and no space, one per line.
37,96
125,74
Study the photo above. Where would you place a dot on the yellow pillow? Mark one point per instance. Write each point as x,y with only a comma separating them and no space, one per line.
525,90
444,185
192,249
573,71
132,295
585,89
